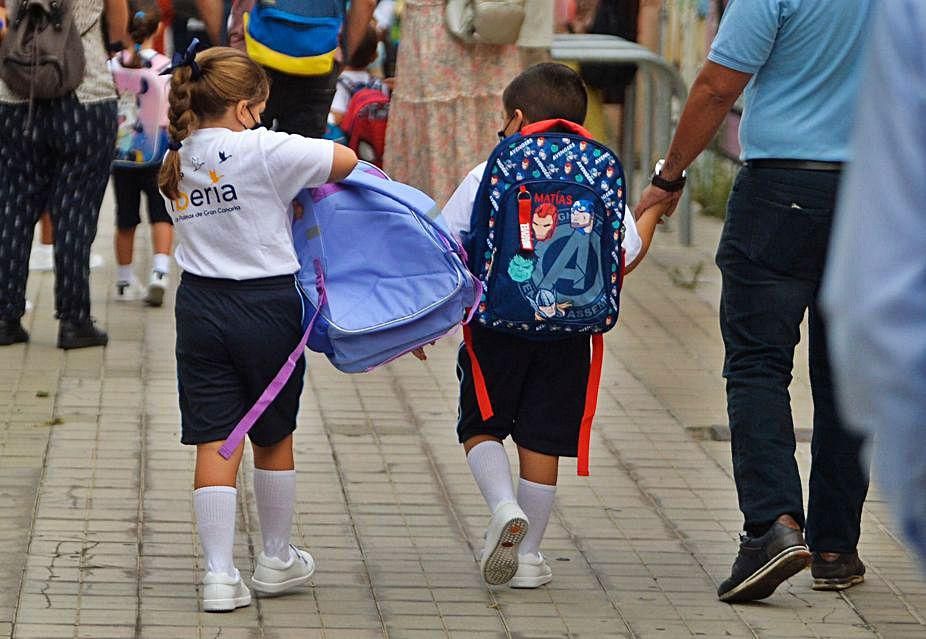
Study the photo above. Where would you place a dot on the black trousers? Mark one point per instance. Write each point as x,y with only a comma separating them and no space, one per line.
61,164
771,257
299,104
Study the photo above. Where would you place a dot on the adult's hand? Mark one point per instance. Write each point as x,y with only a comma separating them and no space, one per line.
653,195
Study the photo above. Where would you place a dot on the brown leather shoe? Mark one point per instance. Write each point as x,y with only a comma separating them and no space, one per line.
845,571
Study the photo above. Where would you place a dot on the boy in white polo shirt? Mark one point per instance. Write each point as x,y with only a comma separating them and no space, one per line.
538,388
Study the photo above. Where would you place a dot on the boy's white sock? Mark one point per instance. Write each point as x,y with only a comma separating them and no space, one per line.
492,472
125,273
275,493
536,500
215,518
161,262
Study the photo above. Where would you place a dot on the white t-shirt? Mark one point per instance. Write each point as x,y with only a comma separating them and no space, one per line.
457,212
233,218
342,93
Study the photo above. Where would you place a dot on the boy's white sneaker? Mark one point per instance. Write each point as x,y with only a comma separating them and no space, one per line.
506,532
129,291
222,592
274,576
156,287
533,572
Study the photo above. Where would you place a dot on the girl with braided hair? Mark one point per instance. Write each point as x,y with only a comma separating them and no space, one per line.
228,185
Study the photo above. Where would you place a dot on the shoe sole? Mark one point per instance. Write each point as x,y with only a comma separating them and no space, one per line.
837,584
82,344
502,563
155,296
267,589
226,605
764,581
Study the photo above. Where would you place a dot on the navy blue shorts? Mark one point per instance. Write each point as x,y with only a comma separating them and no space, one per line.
537,390
232,338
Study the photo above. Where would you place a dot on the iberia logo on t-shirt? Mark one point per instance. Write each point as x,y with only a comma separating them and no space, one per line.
214,199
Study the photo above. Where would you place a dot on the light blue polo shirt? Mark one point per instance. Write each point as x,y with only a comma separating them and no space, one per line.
805,59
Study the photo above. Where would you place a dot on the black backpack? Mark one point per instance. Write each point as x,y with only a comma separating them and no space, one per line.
41,56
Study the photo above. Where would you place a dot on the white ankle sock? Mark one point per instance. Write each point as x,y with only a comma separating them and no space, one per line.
215,518
536,500
161,262
275,493
492,472
125,273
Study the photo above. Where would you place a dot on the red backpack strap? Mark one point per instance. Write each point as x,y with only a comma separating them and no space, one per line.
545,125
479,382
591,403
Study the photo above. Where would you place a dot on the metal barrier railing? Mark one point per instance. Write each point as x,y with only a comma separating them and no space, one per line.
661,83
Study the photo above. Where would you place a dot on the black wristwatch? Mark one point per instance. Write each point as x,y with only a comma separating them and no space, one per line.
664,184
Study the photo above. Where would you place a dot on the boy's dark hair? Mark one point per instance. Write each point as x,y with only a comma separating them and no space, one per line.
547,91
365,54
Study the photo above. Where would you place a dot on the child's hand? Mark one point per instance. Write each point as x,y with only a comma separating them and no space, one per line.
298,210
653,196
419,352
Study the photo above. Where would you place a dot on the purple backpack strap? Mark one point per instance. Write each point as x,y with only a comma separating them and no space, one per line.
279,381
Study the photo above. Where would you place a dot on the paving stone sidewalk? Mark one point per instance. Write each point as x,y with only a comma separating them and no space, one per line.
98,540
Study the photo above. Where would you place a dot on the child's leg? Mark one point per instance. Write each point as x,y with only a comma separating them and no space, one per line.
128,202
275,493
162,238
215,502
488,462
162,229
125,244
536,490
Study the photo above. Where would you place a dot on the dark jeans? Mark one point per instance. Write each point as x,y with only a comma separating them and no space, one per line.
60,164
299,104
771,257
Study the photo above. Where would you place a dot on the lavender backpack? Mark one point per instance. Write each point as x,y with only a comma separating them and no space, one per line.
379,278
392,279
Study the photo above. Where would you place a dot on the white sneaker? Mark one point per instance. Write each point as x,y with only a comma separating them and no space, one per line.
156,287
274,576
533,571
42,257
96,260
222,592
506,531
129,291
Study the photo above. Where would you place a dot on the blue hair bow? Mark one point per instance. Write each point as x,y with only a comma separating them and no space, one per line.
185,59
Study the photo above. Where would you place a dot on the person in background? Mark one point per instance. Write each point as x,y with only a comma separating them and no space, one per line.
59,160
300,104
875,287
129,183
444,102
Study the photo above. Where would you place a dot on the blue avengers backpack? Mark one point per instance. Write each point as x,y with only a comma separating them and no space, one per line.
379,279
392,279
545,242
298,37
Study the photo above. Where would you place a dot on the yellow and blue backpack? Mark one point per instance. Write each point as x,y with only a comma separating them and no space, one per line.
298,37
